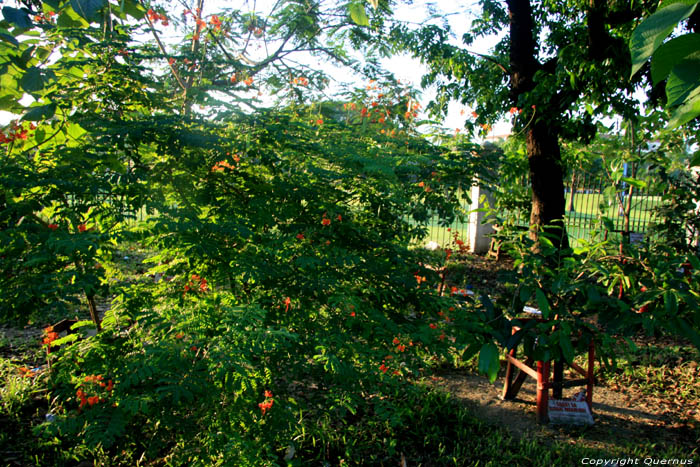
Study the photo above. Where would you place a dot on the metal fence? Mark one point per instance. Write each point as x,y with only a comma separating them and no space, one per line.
588,199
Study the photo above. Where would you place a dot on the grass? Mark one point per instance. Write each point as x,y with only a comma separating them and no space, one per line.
580,221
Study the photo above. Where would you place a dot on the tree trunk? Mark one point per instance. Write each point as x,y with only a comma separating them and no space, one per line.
547,179
544,155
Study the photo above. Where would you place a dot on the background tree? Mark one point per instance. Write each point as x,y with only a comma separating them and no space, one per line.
556,69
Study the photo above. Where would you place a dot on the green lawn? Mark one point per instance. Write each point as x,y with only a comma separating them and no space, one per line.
580,221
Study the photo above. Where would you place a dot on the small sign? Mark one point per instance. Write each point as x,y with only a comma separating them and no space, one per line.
636,238
572,412
531,310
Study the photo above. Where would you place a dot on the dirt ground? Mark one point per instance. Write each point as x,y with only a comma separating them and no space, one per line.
618,414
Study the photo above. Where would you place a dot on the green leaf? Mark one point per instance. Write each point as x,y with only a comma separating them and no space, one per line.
9,38
672,52
133,9
18,17
695,162
543,303
358,14
489,361
687,111
684,78
567,350
41,112
651,32
88,9
670,303
634,182
8,102
70,19
35,79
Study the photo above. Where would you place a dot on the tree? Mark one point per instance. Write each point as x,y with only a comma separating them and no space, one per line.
557,68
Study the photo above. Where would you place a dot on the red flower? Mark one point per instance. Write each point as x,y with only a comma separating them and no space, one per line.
326,221
171,61
50,337
340,218
193,348
179,335
53,226
287,302
300,236
383,367
433,326
82,228
643,309
396,340
352,313
268,394
364,111
266,405
319,121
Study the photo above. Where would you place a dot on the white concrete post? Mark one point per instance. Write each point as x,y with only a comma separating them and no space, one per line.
478,229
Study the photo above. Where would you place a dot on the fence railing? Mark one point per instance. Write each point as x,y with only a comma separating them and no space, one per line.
629,208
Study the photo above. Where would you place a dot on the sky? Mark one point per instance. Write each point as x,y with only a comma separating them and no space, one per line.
405,68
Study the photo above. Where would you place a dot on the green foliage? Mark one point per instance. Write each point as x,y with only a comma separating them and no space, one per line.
675,61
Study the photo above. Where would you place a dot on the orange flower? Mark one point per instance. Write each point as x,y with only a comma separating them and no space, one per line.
513,110
266,405
326,221
50,337
179,335
340,218
93,400
474,114
383,367
364,111
268,394
82,228
421,184
319,121
249,81
287,302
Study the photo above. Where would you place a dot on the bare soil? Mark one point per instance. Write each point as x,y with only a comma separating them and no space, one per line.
622,414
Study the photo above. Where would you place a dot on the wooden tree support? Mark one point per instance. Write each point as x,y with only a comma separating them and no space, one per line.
540,372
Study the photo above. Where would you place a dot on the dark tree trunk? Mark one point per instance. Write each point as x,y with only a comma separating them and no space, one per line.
547,179
544,155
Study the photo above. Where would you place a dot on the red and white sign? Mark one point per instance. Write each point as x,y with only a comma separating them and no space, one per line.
572,412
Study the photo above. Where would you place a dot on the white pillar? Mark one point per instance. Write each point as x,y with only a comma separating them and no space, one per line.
478,228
